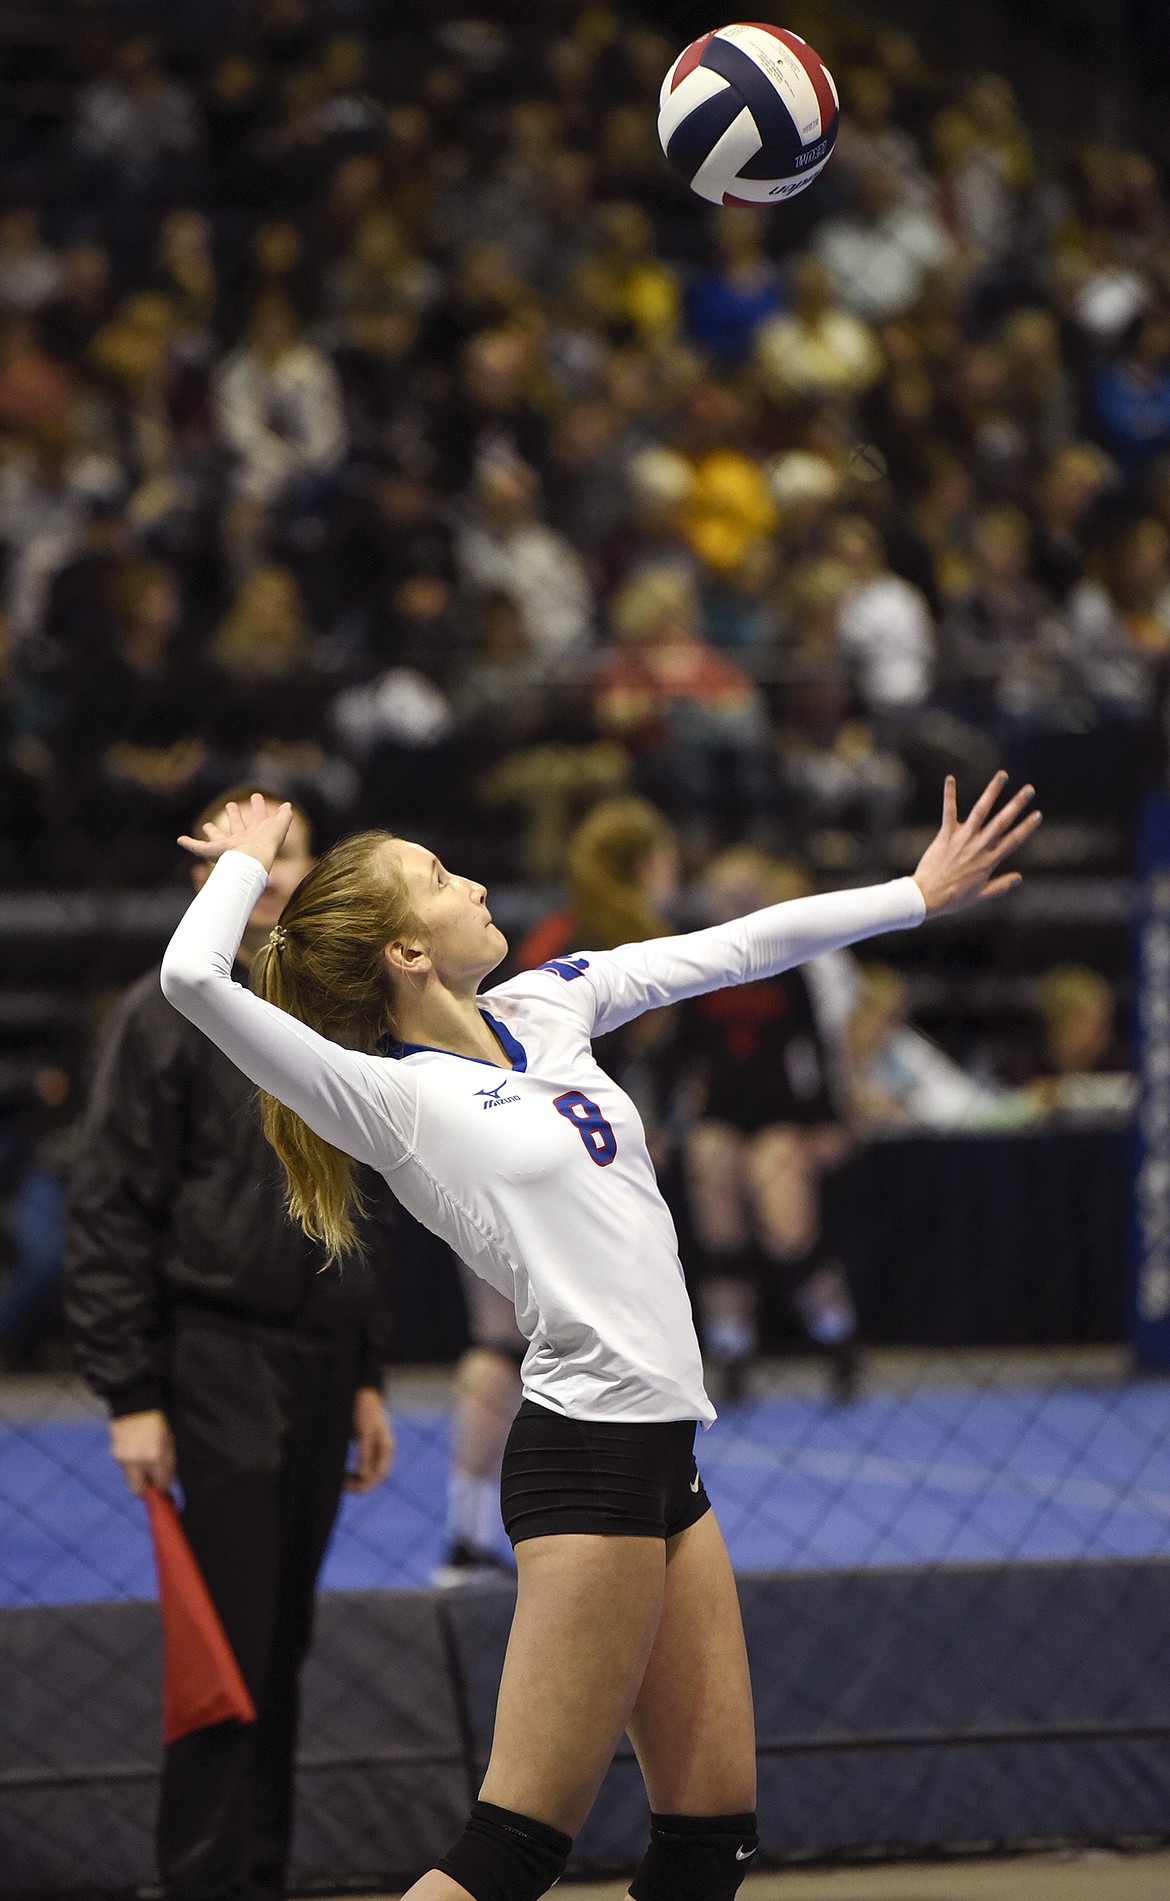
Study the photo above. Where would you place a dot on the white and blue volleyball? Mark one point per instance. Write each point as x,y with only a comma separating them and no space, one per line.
748,115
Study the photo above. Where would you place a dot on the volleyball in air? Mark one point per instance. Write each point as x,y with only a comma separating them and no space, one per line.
748,115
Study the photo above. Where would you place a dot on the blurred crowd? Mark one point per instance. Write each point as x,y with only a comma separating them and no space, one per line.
383,422
379,418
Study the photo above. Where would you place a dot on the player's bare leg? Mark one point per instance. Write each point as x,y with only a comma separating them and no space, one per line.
692,1726
587,1611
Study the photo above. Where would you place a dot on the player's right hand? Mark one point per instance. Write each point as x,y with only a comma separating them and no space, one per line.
252,829
144,1448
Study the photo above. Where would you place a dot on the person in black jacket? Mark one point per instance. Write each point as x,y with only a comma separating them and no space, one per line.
201,1315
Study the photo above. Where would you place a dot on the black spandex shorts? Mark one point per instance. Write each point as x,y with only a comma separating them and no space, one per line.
576,1475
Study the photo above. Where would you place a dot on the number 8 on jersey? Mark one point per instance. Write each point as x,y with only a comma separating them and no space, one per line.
596,1133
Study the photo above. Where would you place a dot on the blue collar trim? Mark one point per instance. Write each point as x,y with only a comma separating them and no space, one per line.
511,1046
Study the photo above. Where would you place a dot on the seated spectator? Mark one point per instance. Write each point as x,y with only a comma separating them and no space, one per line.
340,190
484,296
900,1079
491,412
650,532
819,350
393,529
82,304
1081,1069
741,607
136,118
980,418
1067,500
974,202
998,648
234,97
46,492
378,272
133,407
931,544
881,255
1038,387
269,700
1137,575
78,617
904,421
640,291
622,871
805,487
833,771
505,547
737,291
30,272
133,740
568,230
502,695
185,273
1097,289
339,81
278,267
27,714
278,406
991,103
588,455
730,504
1132,393
883,623
37,392
869,135
694,723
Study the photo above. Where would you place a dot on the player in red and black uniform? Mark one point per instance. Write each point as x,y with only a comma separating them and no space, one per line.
763,1077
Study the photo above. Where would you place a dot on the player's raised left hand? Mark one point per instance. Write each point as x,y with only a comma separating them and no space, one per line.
253,828
958,866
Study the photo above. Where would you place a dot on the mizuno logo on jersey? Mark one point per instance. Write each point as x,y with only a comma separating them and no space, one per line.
494,1098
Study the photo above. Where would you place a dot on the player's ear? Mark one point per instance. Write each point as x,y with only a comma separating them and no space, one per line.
406,957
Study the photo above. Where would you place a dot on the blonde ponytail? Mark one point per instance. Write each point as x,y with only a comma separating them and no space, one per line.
324,964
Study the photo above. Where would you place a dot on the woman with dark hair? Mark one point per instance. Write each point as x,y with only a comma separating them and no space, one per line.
495,1126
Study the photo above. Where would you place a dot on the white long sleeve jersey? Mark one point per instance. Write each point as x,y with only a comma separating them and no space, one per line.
537,1176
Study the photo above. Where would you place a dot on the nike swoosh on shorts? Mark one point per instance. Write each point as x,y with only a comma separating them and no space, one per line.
695,1483
744,1854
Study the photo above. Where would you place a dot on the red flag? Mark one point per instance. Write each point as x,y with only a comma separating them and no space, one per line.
202,1683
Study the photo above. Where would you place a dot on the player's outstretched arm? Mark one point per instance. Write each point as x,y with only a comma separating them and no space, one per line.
958,867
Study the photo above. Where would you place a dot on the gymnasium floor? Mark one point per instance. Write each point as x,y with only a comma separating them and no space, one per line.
1095,1877
943,1459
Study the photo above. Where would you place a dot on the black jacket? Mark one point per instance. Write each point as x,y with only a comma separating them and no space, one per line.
178,1201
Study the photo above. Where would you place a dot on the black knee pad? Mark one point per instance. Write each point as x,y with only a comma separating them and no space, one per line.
696,1857
501,1856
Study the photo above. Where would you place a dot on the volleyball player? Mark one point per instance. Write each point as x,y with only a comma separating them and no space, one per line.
495,1127
622,871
